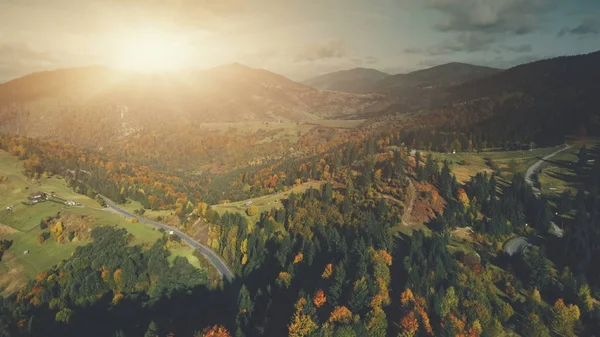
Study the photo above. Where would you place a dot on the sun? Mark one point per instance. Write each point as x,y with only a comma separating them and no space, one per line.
152,51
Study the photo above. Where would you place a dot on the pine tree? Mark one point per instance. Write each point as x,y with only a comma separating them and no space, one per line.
152,330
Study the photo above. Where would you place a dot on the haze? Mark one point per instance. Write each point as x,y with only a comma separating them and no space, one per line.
299,39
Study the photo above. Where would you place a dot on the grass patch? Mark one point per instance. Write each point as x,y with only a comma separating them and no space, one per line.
22,224
264,203
184,251
559,173
466,165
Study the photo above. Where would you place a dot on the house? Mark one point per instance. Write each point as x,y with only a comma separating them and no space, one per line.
25,252
248,204
171,232
37,197
70,203
9,208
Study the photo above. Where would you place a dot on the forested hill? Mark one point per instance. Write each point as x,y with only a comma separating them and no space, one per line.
331,262
540,101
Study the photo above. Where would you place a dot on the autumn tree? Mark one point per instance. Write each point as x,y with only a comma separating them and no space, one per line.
533,326
215,331
563,318
319,299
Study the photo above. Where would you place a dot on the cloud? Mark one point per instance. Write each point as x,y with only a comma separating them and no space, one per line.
13,52
319,51
464,42
524,48
180,13
371,60
589,26
491,16
412,51
19,59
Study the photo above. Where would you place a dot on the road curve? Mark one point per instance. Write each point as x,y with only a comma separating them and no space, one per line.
214,259
533,169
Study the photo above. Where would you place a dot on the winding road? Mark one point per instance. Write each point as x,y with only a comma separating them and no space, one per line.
214,259
533,169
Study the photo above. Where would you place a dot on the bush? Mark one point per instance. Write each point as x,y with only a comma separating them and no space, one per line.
252,210
43,237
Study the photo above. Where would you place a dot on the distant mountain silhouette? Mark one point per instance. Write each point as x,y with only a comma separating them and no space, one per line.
540,101
445,74
357,80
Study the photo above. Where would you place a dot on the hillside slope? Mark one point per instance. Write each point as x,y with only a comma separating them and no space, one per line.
97,105
540,101
357,80
445,74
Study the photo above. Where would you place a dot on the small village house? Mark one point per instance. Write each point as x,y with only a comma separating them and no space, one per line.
37,197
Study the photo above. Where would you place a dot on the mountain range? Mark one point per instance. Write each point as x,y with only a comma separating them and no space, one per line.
357,80
361,80
524,99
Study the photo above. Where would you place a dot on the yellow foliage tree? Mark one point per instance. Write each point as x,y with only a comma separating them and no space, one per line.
284,279
298,258
328,271
302,325
201,209
564,318
117,298
252,210
462,196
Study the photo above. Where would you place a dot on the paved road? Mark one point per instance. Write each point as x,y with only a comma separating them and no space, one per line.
214,259
533,169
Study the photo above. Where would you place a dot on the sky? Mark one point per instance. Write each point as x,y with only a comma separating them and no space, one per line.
296,38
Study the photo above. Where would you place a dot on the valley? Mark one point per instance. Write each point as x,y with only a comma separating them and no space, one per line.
457,200
21,225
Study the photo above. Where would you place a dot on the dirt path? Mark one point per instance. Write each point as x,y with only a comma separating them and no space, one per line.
411,203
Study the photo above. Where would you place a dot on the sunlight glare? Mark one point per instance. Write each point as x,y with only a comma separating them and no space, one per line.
152,51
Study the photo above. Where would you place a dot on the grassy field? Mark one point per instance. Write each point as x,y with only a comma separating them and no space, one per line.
264,203
132,205
466,165
183,250
558,174
21,225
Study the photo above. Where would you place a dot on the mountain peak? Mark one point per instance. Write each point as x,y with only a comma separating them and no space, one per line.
354,80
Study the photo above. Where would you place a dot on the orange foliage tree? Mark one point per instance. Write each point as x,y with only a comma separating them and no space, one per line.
215,331
340,314
319,299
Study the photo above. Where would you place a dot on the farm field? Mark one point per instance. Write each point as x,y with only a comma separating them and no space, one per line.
22,224
264,203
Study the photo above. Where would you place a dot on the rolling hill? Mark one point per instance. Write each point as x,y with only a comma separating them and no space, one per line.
357,80
98,105
540,101
442,75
